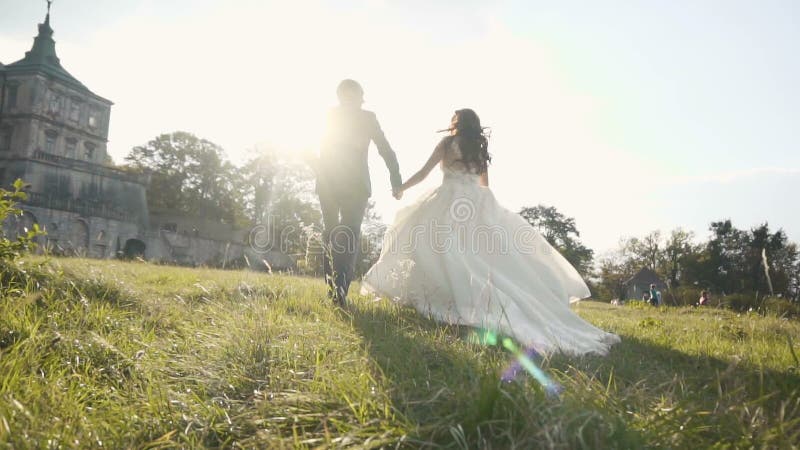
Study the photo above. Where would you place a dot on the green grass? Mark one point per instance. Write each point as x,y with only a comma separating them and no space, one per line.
132,355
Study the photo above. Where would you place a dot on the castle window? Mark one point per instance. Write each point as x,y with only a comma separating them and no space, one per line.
93,118
12,96
55,102
89,147
50,138
170,226
74,111
70,148
5,138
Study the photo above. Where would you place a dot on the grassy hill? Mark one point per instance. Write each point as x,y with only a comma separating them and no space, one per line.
112,354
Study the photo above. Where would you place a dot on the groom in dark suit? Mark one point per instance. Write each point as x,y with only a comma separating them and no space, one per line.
343,183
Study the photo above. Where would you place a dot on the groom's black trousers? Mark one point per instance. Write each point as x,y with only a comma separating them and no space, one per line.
341,216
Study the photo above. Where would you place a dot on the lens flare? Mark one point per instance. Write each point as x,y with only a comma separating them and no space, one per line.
549,385
522,360
484,337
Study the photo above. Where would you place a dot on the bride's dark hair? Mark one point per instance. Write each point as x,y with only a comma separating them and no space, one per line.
473,140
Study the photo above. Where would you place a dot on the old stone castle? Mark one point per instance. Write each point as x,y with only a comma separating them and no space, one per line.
53,136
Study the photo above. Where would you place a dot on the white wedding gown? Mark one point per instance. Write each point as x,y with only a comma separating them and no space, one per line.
457,255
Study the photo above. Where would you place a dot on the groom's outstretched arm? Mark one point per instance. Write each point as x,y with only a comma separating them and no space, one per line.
386,152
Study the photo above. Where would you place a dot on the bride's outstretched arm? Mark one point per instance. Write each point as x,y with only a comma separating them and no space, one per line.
435,158
485,178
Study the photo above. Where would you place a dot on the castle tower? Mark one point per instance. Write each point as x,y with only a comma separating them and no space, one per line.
53,136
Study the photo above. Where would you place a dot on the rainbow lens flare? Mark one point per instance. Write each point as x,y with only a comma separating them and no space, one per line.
523,360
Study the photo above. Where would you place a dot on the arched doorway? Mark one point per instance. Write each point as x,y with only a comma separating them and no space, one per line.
134,248
78,237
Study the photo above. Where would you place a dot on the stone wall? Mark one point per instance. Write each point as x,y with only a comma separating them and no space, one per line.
72,234
58,184
196,226
69,233
180,248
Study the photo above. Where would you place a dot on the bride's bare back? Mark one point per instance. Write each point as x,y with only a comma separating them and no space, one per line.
452,158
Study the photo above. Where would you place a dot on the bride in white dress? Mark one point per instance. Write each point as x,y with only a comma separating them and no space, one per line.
459,256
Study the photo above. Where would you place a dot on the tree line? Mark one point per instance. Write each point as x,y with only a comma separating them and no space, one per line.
757,262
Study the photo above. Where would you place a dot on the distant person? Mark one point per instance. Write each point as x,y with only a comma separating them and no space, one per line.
522,290
653,295
703,298
343,183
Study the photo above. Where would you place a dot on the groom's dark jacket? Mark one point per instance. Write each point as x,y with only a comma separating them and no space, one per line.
343,168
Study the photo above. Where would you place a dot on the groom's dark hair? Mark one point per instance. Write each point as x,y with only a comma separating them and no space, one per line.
349,91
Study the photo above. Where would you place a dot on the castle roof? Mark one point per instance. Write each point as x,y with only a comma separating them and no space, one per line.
42,58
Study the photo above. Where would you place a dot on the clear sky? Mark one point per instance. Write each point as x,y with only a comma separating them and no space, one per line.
628,115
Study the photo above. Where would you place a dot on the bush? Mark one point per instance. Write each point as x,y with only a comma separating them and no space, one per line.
11,249
780,307
740,302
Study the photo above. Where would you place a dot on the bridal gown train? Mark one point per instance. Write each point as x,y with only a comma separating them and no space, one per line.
459,256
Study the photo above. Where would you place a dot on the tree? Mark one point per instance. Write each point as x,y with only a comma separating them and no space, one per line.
678,249
725,265
794,281
190,175
644,252
256,184
278,192
561,232
781,259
